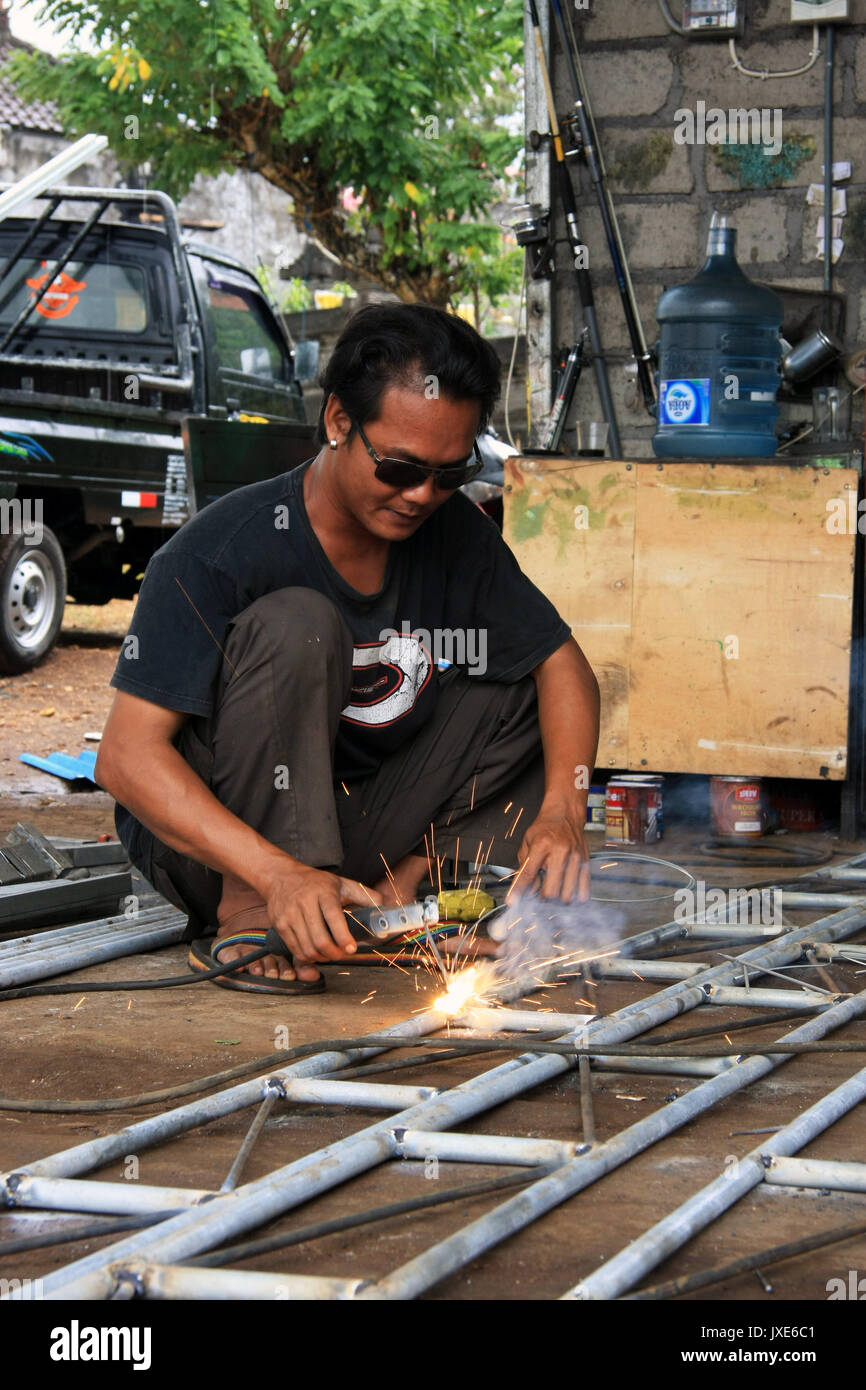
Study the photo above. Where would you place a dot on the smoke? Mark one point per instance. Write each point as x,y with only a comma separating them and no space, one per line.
535,931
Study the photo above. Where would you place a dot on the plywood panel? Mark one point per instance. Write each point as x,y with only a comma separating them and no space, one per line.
742,620
571,526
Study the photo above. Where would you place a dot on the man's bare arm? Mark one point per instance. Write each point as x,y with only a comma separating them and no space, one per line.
568,713
139,765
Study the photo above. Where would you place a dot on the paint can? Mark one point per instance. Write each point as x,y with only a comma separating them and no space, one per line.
633,810
737,806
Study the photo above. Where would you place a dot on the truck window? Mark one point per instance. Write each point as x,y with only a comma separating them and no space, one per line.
245,340
90,296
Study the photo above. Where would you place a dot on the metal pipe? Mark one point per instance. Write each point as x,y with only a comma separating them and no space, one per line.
815,1172
770,998
829,41
36,182
119,1198
104,946
155,1281
842,873
587,1109
713,931
480,1148
647,969
791,899
467,1244
664,1066
522,1020
630,1265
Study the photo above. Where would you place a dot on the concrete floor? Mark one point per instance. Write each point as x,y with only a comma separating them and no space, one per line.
119,1044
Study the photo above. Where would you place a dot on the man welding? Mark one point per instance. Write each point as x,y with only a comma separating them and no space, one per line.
291,735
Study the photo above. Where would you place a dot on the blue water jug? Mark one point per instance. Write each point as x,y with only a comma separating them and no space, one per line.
719,353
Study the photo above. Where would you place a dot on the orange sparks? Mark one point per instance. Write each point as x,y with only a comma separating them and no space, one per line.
80,1002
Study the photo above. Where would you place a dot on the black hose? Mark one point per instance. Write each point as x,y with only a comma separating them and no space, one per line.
124,986
246,1249
705,1277
531,1044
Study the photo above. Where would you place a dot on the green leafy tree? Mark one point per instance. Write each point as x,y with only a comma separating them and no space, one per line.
393,99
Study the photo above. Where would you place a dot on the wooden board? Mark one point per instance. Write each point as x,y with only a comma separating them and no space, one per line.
583,561
742,621
713,601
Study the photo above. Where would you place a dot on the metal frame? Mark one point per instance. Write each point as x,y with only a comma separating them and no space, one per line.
421,1121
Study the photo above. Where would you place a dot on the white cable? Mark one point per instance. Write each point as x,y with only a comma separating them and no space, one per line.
670,21
814,55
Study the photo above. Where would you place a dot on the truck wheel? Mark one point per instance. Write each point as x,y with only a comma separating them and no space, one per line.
32,598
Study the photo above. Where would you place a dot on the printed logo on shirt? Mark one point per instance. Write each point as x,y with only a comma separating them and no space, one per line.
387,679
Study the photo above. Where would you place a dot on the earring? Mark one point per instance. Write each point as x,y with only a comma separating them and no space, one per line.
333,443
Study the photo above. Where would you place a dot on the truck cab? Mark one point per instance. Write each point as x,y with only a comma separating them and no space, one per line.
135,364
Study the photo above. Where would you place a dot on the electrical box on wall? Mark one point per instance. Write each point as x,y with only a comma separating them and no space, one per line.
818,11
713,18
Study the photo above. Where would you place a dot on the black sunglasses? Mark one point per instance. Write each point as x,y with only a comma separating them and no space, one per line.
403,473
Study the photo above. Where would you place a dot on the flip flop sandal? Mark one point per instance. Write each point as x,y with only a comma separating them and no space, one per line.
204,955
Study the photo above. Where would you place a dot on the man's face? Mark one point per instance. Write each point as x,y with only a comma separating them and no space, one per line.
409,426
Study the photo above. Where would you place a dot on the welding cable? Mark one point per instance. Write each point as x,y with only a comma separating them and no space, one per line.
732,851
246,1249
533,1044
702,1279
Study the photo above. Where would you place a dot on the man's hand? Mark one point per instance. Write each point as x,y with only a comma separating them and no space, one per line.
554,843
306,907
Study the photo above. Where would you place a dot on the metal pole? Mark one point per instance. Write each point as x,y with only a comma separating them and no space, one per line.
480,1148
630,1265
815,1172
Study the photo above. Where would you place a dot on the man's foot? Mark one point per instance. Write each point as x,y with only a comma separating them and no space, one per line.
240,906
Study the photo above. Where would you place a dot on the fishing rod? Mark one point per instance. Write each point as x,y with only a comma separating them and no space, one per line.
589,147
569,206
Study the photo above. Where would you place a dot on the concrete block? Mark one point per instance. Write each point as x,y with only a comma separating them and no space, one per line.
658,234
646,160
614,334
635,82
618,19
760,224
849,139
708,75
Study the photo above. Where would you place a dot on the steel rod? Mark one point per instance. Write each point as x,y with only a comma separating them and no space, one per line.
815,1172
480,1148
249,1140
647,969
766,998
116,1198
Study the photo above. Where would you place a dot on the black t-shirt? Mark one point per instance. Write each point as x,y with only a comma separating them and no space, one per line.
453,594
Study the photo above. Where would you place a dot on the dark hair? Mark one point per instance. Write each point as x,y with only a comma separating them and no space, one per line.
384,345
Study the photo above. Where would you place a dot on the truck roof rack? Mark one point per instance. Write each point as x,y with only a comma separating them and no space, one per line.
175,379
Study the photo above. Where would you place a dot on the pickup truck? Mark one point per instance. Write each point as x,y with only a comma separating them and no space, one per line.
142,374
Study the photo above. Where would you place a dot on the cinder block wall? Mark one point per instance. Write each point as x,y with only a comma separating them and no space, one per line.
639,75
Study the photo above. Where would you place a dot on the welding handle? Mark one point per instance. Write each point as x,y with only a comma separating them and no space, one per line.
276,945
